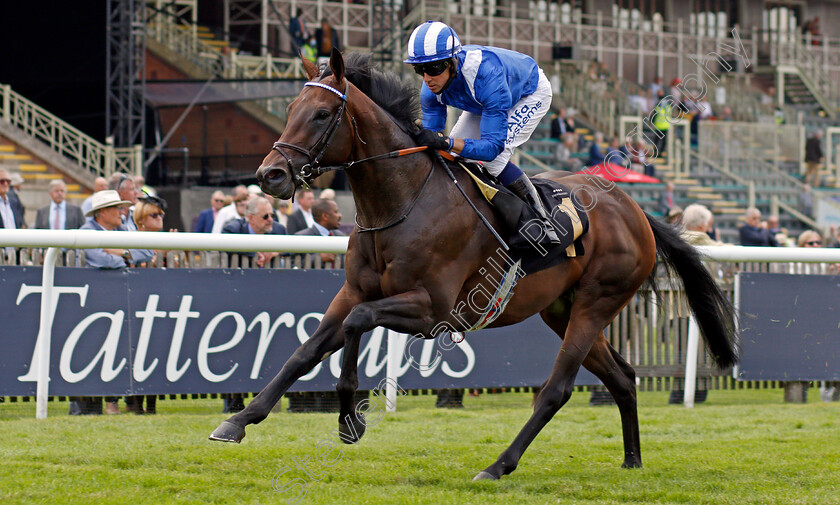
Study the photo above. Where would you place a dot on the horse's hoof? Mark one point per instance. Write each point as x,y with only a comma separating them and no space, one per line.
482,475
631,464
228,432
350,434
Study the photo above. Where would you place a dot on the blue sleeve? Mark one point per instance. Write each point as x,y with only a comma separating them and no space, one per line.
141,256
434,112
98,258
492,91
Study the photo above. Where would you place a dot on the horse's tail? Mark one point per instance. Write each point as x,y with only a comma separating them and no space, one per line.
712,310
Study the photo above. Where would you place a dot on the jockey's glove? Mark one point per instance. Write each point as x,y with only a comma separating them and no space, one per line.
434,140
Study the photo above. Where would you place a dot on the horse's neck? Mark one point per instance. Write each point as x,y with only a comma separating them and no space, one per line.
383,189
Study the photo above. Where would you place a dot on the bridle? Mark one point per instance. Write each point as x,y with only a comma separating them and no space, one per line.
313,169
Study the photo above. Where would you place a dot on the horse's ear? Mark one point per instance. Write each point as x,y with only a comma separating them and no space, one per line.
337,65
309,67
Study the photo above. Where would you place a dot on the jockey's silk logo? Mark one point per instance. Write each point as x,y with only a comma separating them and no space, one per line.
519,119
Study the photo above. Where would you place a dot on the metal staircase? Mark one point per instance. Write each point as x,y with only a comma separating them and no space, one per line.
799,78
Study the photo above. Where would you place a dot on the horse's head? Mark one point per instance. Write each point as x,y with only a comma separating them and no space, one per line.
318,132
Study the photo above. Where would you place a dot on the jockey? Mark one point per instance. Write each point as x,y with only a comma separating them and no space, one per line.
503,94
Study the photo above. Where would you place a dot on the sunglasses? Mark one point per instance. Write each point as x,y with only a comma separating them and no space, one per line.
5,181
433,68
155,215
813,243
217,200
266,217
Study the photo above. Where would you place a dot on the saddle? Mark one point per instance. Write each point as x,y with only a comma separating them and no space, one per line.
522,227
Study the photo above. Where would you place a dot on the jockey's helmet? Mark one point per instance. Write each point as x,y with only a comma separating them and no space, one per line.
432,41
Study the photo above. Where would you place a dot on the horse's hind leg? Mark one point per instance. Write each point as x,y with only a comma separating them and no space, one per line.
328,338
620,379
590,313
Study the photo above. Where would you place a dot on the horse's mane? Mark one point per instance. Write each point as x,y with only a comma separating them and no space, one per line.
399,97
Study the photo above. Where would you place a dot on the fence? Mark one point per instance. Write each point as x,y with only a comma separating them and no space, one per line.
93,156
654,336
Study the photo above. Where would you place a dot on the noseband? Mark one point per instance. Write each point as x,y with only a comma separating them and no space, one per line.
313,169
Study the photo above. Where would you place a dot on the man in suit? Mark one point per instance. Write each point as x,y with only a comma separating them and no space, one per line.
208,216
59,215
753,234
10,218
302,218
327,220
259,219
666,199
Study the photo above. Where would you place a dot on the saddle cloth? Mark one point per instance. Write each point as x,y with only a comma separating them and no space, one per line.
522,227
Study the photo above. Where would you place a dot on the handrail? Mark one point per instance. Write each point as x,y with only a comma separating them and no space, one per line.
776,203
98,158
531,159
725,171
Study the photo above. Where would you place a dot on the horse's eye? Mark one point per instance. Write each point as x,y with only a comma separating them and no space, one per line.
322,114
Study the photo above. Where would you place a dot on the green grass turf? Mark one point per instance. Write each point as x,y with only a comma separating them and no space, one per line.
740,447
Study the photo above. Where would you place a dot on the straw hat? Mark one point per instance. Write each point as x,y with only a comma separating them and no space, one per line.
106,198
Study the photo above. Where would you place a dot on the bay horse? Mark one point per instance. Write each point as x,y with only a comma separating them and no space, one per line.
418,250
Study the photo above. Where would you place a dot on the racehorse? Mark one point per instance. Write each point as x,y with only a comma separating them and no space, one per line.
418,249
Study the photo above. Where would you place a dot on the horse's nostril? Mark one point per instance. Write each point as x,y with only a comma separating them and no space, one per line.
274,175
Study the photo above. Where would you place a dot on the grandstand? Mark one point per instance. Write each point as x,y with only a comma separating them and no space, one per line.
763,65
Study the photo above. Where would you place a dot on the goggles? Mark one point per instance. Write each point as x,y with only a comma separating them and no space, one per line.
432,68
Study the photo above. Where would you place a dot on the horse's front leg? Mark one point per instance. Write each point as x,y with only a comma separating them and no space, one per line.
327,339
409,312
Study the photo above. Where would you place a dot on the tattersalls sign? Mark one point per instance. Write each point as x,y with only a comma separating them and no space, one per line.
154,331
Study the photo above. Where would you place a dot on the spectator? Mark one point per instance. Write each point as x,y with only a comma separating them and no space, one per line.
806,201
302,218
208,216
258,220
695,221
769,97
813,157
656,86
617,154
327,194
281,212
59,215
726,114
140,184
14,194
712,231
666,199
662,114
596,156
327,39
753,234
558,124
231,212
675,215
563,154
124,185
148,216
674,92
298,31
107,213
99,184
809,238
327,219
638,155
309,51
10,217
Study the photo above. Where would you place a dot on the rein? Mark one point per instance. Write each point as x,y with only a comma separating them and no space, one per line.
313,169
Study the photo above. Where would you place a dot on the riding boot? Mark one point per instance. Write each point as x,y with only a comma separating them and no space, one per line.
525,190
